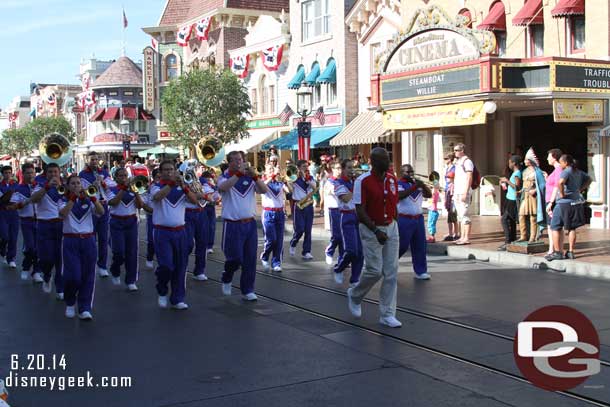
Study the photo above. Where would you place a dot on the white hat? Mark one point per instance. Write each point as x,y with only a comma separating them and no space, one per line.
531,156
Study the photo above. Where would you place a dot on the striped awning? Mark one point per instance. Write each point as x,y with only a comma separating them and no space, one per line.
565,8
496,19
530,14
364,129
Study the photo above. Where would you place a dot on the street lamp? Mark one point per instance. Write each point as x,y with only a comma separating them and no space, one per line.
124,124
304,100
304,107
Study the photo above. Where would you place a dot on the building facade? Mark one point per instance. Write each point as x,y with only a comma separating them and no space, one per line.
500,77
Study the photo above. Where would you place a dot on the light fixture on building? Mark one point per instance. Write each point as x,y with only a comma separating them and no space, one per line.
124,126
304,100
490,107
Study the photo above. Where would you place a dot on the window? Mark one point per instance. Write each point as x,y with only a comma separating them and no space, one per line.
500,43
331,93
316,18
171,67
142,126
128,93
113,93
254,101
317,96
375,53
536,40
262,86
577,33
272,99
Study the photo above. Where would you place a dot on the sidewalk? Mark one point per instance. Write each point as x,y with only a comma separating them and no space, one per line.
592,248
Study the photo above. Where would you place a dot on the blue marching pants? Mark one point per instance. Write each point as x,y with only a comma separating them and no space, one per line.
239,243
273,227
124,244
353,246
78,271
172,256
303,222
9,230
150,245
197,237
413,235
48,242
100,225
210,213
335,233
30,259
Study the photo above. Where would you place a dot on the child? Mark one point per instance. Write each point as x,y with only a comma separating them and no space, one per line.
452,223
433,213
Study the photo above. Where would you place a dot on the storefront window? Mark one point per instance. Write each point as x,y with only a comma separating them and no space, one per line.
262,86
331,93
501,43
316,18
577,30
317,96
171,67
142,126
254,101
272,99
536,34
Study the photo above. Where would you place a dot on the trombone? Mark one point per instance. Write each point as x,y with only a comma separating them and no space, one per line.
139,184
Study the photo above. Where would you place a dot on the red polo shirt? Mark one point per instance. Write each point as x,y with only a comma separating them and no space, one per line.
379,198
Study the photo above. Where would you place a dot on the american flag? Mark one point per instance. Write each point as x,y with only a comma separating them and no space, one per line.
125,22
286,114
320,115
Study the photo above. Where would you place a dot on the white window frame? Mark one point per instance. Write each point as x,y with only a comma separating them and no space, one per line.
316,19
531,46
331,94
570,35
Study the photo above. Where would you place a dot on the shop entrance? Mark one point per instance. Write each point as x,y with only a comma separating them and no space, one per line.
542,133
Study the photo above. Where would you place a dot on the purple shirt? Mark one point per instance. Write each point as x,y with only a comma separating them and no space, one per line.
551,183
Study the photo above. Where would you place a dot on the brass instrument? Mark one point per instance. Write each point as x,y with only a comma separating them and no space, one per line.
91,191
191,180
210,151
292,173
358,172
430,180
308,200
61,189
55,148
139,184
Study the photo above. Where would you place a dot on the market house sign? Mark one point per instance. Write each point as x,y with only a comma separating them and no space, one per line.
584,78
431,48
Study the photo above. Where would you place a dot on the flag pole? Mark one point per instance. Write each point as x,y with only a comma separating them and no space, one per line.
124,29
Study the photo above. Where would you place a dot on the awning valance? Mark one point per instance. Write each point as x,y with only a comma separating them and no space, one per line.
130,113
313,75
330,73
496,19
112,113
297,79
159,150
257,137
144,115
569,8
457,114
530,13
97,116
364,129
320,138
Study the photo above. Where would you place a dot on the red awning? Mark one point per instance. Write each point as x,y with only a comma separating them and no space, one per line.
569,8
530,13
130,113
144,115
6,158
496,19
112,113
97,116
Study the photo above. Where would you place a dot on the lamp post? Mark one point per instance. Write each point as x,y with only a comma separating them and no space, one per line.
124,124
304,106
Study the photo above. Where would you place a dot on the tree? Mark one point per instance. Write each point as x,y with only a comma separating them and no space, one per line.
14,142
24,140
206,102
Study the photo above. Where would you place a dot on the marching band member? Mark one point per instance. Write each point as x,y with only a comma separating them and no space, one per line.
124,204
169,198
147,200
197,236
273,218
27,218
344,190
9,219
237,186
411,226
94,175
303,218
78,250
331,203
49,227
209,187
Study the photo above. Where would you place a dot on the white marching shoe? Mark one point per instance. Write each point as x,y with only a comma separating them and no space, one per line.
132,287
102,272
226,288
70,311
37,278
390,321
329,260
46,287
338,277
249,297
423,276
162,301
150,264
200,277
266,265
308,256
86,315
180,306
277,269
12,264
116,280
210,251
355,309
25,275
59,296
292,250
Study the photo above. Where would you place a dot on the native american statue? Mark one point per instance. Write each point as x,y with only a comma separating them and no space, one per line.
531,209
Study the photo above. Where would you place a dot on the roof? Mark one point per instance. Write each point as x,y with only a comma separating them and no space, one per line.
123,72
179,11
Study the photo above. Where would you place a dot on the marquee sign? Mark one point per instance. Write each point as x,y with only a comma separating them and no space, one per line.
582,77
148,76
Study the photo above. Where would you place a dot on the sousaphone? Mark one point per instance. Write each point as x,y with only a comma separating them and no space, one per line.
55,148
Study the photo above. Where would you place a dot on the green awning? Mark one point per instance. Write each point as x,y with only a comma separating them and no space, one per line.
330,73
313,75
158,150
296,81
320,138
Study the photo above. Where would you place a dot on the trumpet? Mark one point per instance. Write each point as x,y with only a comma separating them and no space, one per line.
91,191
431,180
61,190
190,179
139,184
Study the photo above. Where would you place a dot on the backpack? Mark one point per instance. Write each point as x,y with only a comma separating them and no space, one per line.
476,176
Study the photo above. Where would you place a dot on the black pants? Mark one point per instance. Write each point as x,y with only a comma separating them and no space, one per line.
509,221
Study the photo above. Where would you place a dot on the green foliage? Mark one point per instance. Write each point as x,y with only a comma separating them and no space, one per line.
206,102
23,140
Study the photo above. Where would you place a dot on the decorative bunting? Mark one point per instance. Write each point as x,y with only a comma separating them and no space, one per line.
86,99
155,44
51,99
184,35
86,81
202,28
239,65
12,117
272,57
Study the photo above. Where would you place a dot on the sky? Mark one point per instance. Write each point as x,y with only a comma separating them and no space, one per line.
43,41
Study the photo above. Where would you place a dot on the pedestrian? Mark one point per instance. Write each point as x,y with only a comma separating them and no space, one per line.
273,218
510,210
569,212
376,198
464,173
114,168
433,212
331,205
78,249
552,193
302,190
9,218
531,208
411,228
453,227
